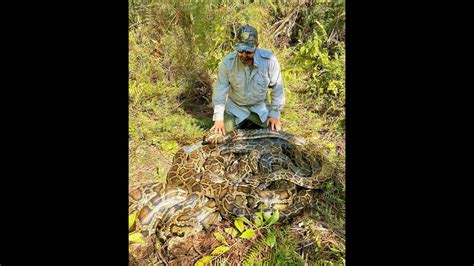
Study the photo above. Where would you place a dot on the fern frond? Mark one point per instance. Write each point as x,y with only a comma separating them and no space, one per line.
256,251
220,261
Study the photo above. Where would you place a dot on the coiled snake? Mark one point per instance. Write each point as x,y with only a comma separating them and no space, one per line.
226,177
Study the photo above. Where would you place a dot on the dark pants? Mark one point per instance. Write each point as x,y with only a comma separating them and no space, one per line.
252,122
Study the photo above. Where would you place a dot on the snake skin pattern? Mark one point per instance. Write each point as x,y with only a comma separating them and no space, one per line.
226,177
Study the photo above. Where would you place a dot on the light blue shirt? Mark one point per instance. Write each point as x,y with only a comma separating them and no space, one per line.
241,89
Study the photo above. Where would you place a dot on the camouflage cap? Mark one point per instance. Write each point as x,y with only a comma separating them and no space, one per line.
247,38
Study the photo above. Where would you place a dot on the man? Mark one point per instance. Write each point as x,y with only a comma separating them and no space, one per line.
240,95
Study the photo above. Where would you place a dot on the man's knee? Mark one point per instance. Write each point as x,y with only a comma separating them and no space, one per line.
255,119
229,122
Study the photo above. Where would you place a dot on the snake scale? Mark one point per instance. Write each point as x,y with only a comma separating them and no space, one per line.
227,177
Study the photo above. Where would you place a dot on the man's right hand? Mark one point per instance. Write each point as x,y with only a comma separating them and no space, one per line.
218,127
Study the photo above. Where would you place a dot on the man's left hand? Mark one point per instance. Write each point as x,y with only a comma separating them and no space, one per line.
275,123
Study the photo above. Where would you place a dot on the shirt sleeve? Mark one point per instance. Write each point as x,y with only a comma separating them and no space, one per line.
219,94
276,89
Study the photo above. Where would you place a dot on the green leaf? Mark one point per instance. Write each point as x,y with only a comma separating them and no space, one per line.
274,218
267,216
249,233
239,224
246,220
131,219
203,261
220,237
271,239
169,146
136,237
220,250
231,231
258,219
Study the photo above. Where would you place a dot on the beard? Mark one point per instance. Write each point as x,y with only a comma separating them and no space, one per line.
246,60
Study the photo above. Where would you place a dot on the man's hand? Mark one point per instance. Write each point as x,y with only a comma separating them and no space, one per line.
275,123
218,127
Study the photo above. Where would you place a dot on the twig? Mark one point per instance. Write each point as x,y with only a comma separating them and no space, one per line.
197,250
286,19
257,230
161,256
333,30
312,243
274,24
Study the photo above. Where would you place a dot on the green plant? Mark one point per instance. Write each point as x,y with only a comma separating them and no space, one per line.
284,253
134,237
327,74
259,233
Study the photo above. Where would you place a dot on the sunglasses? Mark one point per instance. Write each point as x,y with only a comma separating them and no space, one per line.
245,51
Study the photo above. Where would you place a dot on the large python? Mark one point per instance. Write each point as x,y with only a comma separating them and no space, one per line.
228,176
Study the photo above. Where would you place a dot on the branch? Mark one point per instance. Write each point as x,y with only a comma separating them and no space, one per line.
287,18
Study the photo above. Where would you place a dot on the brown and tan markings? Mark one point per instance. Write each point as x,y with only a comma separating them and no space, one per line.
225,177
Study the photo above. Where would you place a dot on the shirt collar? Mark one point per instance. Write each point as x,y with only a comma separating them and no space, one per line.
257,58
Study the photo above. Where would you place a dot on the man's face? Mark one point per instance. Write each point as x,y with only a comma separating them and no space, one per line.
246,57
